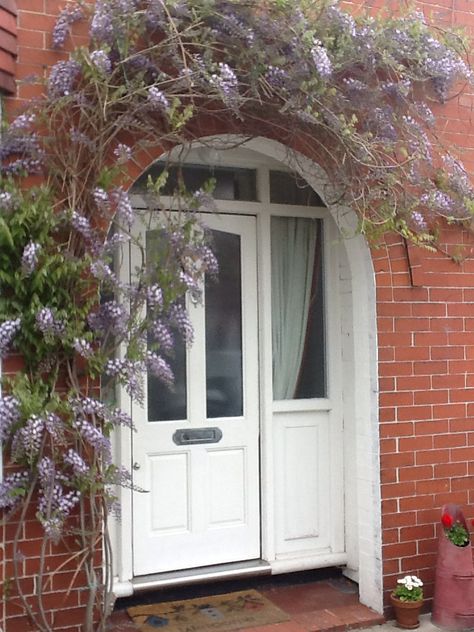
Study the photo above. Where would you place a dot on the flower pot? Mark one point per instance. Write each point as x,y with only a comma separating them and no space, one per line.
407,613
453,599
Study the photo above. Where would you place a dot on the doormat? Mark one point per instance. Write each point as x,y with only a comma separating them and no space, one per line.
217,613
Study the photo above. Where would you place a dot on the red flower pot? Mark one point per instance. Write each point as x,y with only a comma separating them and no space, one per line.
453,600
407,613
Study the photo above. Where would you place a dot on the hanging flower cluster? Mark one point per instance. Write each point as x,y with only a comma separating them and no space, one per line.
354,94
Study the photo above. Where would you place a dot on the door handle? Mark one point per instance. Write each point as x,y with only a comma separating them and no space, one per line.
136,466
193,436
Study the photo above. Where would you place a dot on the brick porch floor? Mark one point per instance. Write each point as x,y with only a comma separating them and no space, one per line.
317,606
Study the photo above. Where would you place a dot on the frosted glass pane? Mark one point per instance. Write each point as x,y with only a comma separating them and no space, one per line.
224,330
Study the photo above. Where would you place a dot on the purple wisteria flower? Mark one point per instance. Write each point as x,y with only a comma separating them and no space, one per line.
101,198
123,153
79,466
29,258
276,77
234,26
46,471
9,415
101,61
111,316
321,59
154,297
439,201
20,152
62,77
344,21
6,201
179,317
23,122
159,368
47,323
10,487
162,336
8,330
55,505
119,417
204,201
227,83
115,240
209,260
54,425
103,272
154,15
419,221
82,225
79,138
123,206
102,28
130,373
67,17
88,406
191,283
94,437
27,440
157,98
459,180
83,348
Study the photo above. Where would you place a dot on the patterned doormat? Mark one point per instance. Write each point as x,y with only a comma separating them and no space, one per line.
217,613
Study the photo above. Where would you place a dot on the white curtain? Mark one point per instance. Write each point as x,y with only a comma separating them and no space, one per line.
293,243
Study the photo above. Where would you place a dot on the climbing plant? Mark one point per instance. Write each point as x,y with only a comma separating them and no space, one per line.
353,94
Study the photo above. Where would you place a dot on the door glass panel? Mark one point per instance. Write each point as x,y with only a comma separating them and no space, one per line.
298,341
223,302
166,403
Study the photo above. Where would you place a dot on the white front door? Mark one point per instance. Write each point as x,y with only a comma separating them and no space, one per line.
196,449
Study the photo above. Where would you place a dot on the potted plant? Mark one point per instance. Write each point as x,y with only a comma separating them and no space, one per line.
455,530
453,599
407,600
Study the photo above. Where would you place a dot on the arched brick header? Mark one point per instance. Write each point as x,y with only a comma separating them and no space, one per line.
8,45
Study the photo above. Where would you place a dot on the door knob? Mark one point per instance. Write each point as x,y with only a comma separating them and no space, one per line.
136,466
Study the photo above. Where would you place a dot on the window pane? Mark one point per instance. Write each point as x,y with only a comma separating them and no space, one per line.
231,183
289,188
223,300
297,308
166,403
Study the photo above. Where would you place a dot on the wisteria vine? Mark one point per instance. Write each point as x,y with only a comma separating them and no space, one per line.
354,94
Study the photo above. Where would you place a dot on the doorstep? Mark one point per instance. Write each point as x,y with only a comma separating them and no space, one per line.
320,606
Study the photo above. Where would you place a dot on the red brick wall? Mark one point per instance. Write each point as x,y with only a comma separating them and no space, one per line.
425,310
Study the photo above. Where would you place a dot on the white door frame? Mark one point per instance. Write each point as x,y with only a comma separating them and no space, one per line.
363,540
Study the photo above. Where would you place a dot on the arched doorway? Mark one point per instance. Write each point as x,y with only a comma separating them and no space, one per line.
296,486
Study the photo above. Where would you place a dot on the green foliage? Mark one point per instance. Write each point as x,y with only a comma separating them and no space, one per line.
58,280
409,588
458,534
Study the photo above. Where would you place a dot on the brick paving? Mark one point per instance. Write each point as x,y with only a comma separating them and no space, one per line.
320,606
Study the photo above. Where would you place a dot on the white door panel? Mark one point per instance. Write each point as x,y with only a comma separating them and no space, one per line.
202,504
